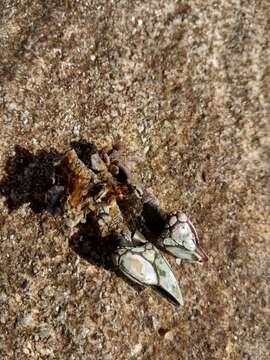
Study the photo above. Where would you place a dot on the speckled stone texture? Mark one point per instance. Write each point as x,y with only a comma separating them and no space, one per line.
186,86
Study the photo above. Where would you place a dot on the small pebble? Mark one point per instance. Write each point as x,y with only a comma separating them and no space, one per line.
169,335
136,350
96,163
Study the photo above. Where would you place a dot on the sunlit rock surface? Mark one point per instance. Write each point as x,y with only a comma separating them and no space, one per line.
186,86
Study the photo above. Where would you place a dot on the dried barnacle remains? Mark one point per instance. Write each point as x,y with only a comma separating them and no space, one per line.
104,188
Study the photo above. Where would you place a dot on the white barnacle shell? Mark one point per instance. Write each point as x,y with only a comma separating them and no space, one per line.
182,217
173,220
189,242
181,239
149,255
167,280
178,232
181,253
146,266
183,235
134,265
169,241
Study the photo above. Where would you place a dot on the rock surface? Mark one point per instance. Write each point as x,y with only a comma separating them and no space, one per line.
186,86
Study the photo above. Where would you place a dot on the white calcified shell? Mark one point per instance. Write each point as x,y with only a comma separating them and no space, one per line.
179,231
138,268
183,235
149,246
182,217
137,249
149,255
189,243
167,280
181,253
145,265
169,241
172,220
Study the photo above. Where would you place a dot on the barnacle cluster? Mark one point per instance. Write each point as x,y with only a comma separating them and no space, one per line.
102,186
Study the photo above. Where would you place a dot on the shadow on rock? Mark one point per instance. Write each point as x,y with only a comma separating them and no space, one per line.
90,246
28,178
84,150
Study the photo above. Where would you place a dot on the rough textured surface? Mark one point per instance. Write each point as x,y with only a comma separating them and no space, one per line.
184,84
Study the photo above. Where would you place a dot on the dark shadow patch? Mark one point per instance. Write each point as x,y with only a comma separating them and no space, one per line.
90,246
84,150
162,331
28,178
155,220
